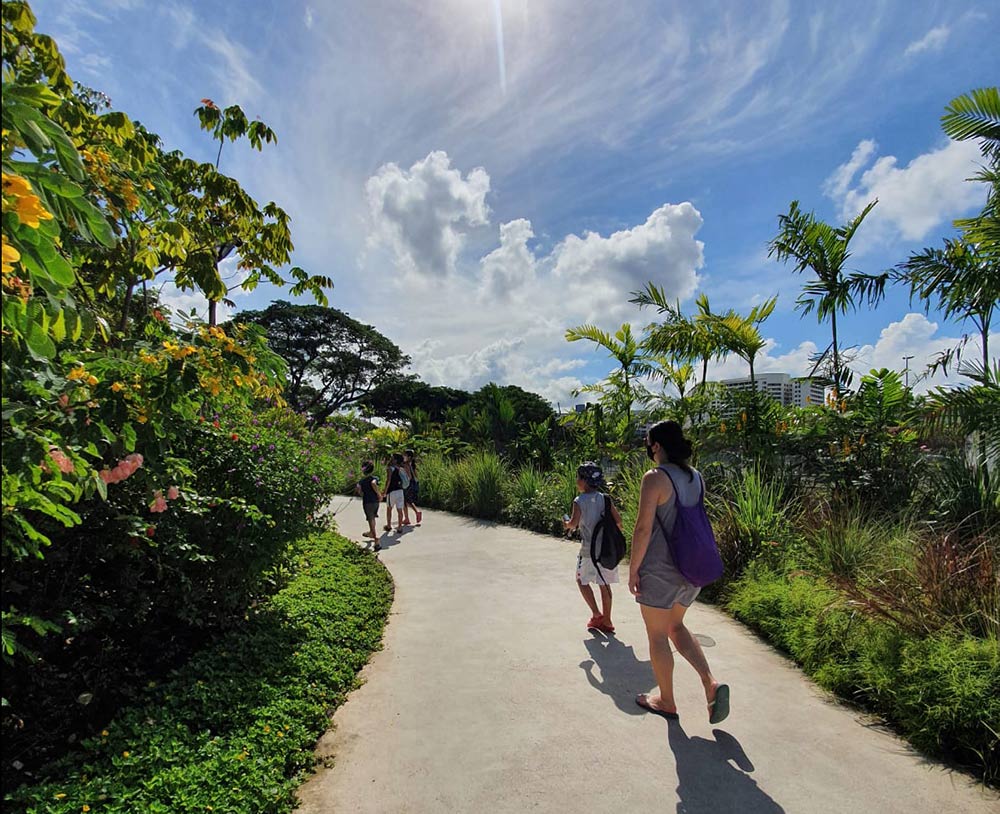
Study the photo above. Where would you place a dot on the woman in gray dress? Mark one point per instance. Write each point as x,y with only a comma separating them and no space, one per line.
663,594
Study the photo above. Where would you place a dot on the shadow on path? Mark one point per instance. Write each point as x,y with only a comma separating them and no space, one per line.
713,776
622,674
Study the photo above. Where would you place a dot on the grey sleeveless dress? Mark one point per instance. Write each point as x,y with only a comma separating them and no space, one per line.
661,585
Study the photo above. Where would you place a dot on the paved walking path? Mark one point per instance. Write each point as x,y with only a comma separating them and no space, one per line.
491,697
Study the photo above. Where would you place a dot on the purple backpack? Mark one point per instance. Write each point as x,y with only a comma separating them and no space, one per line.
692,543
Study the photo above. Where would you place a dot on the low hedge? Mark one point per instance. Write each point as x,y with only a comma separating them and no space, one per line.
234,729
941,691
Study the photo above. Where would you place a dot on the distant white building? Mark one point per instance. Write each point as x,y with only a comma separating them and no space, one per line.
785,389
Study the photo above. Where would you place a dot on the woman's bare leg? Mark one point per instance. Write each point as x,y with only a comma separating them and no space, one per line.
689,647
657,626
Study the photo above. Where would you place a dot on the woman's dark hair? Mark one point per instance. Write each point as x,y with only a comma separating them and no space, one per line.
397,458
670,436
367,468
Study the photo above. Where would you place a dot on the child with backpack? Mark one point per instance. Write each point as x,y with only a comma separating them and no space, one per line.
370,498
395,491
593,512
411,492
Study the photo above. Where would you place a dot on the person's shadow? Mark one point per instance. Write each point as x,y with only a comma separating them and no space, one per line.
713,776
621,671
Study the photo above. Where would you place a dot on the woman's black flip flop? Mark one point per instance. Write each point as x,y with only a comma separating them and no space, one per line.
642,702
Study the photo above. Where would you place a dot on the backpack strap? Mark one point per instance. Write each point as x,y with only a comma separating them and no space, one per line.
593,540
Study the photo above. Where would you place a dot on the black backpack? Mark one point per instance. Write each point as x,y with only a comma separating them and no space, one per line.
612,541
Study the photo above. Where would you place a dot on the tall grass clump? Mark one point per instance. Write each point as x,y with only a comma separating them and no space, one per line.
480,480
437,482
848,545
752,515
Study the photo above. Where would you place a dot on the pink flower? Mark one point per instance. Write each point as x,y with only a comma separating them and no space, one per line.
159,503
59,459
173,493
106,476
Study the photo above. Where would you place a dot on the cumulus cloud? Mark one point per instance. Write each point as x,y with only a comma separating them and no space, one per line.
422,213
914,335
512,264
933,40
604,270
913,200
505,361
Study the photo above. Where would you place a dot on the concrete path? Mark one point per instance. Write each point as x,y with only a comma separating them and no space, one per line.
491,697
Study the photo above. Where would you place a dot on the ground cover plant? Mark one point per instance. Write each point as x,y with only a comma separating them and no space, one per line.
233,729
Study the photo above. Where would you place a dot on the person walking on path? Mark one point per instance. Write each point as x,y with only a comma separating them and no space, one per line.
370,498
663,594
394,492
588,509
412,492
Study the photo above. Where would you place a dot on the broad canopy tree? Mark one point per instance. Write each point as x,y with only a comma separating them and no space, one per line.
333,360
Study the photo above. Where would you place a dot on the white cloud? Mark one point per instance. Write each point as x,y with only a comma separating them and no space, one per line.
604,270
512,265
913,200
933,40
914,335
421,213
308,17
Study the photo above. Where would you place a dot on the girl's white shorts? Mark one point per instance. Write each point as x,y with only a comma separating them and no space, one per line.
586,573
396,499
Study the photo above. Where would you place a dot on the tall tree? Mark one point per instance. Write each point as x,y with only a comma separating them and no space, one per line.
622,386
976,115
741,334
333,360
960,283
815,246
688,339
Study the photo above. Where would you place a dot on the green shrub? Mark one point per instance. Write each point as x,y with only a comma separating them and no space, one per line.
847,544
234,729
536,500
942,691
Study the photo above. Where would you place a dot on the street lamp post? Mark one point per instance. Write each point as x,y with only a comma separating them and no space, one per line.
906,371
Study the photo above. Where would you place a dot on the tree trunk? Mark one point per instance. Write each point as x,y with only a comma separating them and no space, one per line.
836,359
213,312
123,323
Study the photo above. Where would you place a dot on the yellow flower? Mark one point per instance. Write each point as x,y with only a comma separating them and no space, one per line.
60,795
92,380
281,734
242,755
104,733
142,418
31,212
10,256
126,754
77,373
267,728
85,808
117,387
16,185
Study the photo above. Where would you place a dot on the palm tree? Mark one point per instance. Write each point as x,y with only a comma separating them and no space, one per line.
976,115
623,383
687,339
960,283
741,334
823,249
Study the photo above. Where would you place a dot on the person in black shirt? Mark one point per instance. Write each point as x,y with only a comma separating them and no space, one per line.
370,498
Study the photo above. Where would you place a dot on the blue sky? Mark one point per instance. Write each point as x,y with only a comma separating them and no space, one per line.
473,200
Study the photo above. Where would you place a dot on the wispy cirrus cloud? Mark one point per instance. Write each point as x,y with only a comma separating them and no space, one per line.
933,40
